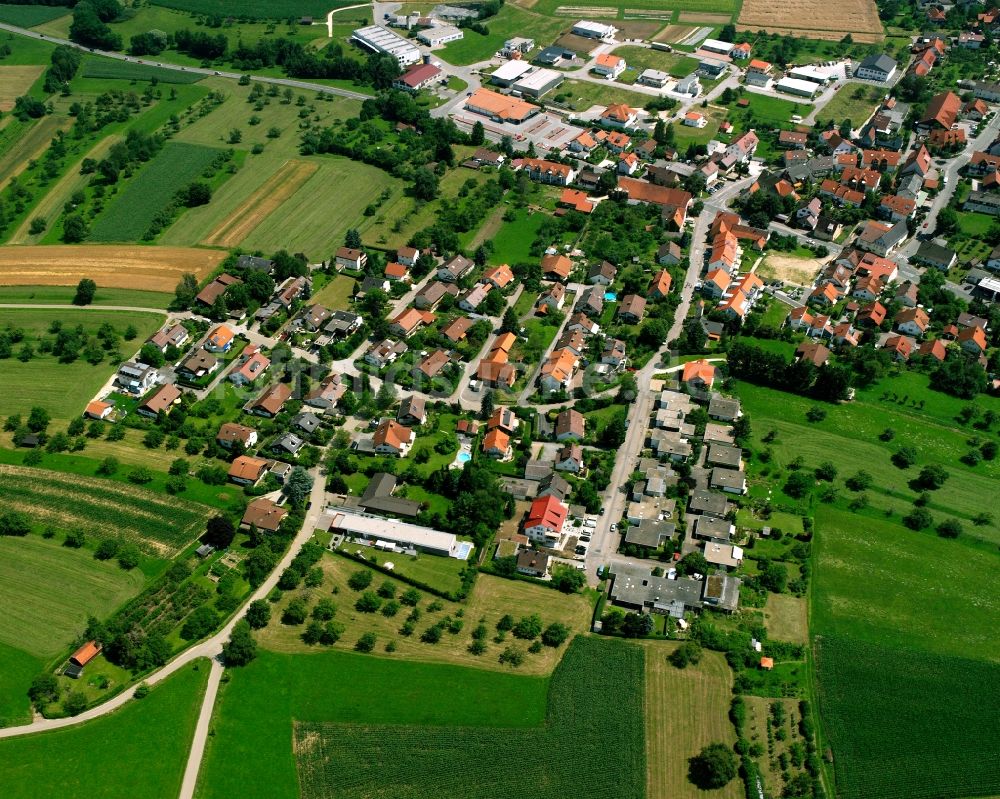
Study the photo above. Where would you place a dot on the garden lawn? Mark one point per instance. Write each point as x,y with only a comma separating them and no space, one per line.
974,224
130,215
512,243
677,64
336,293
580,95
138,752
49,590
769,110
844,105
251,753
63,389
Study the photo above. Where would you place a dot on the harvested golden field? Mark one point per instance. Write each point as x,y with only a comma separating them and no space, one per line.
815,19
15,81
272,193
126,267
674,33
686,709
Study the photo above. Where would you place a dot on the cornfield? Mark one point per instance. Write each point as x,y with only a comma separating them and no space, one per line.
904,724
591,746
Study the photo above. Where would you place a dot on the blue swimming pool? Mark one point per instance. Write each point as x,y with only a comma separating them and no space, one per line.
610,296
464,457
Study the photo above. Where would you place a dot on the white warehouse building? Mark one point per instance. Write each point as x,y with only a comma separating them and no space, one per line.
440,34
383,40
595,30
803,88
389,534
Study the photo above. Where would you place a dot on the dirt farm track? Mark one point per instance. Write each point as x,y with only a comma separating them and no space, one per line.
113,266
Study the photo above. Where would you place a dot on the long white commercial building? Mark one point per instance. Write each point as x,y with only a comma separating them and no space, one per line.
389,533
383,40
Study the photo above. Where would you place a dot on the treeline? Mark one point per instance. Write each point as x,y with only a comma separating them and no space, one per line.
756,365
90,28
406,155
65,63
378,69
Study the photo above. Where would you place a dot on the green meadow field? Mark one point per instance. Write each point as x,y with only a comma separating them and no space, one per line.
849,437
132,212
49,590
63,389
138,752
902,622
251,751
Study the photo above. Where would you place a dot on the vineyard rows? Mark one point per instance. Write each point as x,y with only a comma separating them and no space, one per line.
158,524
591,746
904,724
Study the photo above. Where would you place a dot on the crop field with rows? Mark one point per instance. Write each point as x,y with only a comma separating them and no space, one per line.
107,69
159,524
592,744
909,725
132,213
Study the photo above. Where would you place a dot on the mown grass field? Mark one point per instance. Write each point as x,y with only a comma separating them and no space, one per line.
512,243
129,216
17,668
314,216
685,710
786,618
909,724
592,744
878,582
49,590
16,81
159,524
63,295
251,754
138,752
491,598
63,389
131,267
29,16
849,438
